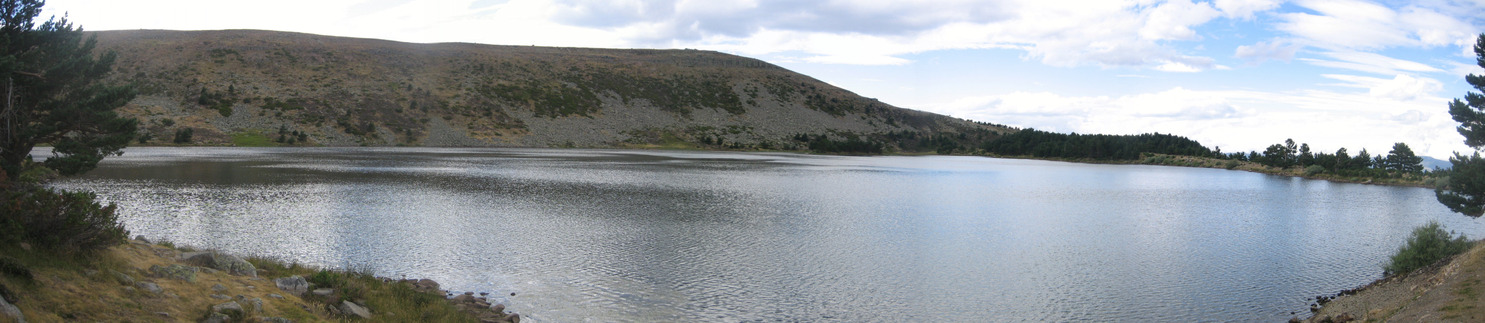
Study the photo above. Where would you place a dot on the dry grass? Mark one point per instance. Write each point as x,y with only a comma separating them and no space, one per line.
85,289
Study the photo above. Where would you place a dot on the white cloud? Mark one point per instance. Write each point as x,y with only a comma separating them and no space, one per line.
1361,25
1234,120
1244,9
1370,62
1281,50
1401,87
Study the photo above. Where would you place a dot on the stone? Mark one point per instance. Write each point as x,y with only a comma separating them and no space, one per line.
12,312
220,296
1344,317
218,287
217,318
425,285
228,306
498,308
276,296
141,239
165,314
124,279
174,271
256,304
293,284
464,298
277,320
350,308
90,272
231,264
151,287
323,291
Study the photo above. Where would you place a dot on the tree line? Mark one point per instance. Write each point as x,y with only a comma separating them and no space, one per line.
1401,160
1042,144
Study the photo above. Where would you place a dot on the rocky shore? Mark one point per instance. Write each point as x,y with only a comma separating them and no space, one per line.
158,282
1448,291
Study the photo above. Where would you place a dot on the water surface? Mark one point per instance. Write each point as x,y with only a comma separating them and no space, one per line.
644,236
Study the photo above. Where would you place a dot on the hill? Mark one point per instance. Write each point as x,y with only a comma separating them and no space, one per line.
251,87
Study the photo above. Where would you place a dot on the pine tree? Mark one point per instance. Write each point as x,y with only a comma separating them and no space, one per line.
51,92
1465,192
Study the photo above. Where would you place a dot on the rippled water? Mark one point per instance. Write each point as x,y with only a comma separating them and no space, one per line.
643,236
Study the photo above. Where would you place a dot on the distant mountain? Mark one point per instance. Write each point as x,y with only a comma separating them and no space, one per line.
257,87
1431,163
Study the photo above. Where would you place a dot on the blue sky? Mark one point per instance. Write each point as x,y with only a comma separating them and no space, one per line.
1235,74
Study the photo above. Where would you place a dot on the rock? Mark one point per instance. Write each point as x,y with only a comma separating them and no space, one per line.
151,287
277,320
293,284
12,312
174,271
89,272
256,304
218,287
498,308
141,239
124,279
228,306
164,314
514,318
323,291
350,308
425,285
464,299
276,296
1344,317
217,318
220,296
220,261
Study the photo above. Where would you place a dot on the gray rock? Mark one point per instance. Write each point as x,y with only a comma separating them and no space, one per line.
277,320
164,314
220,261
293,284
228,306
324,291
124,279
218,287
14,313
256,304
151,287
174,271
220,296
352,309
217,318
276,296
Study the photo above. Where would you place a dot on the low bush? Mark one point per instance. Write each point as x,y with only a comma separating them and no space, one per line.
1314,170
1428,244
68,222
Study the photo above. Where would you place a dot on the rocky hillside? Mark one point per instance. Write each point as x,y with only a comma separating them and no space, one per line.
250,87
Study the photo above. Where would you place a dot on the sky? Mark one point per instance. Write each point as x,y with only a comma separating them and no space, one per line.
1238,75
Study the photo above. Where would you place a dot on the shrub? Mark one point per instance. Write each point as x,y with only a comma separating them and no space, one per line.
1230,164
1428,244
1314,170
68,222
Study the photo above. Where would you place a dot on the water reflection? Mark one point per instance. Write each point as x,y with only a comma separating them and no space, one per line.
694,236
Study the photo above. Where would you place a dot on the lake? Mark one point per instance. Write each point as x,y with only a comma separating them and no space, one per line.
645,236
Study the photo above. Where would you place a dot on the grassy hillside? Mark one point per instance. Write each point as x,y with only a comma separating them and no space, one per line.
248,85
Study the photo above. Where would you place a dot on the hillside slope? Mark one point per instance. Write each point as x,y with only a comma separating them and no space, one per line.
260,86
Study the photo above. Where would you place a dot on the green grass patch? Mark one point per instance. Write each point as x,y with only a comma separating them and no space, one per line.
252,139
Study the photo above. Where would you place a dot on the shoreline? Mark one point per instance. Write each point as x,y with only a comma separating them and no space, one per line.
157,281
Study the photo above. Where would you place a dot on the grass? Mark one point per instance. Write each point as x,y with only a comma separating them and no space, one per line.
252,138
83,288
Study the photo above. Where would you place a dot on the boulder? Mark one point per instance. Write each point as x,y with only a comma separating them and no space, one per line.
218,287
256,304
293,284
151,287
217,318
124,279
228,306
220,261
349,309
174,271
12,312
